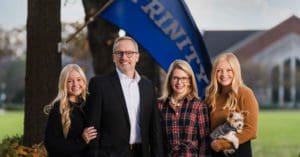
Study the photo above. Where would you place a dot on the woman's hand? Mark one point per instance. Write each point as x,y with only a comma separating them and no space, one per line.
220,145
215,146
89,134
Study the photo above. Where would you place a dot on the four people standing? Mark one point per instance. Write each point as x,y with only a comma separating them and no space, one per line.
225,93
184,118
122,108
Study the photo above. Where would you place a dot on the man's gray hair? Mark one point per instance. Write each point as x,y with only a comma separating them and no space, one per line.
116,42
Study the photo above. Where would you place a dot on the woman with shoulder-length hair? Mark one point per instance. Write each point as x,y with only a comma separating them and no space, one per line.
184,118
65,135
226,93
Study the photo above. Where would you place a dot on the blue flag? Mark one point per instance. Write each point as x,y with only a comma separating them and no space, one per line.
166,30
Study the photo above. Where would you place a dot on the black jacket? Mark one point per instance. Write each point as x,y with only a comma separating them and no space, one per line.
56,144
107,111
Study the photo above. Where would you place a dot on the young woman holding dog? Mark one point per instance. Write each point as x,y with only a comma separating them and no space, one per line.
65,134
184,118
227,92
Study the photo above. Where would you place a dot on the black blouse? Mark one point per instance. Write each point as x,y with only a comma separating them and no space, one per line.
56,144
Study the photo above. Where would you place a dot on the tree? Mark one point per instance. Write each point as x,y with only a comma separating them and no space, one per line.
43,65
101,35
12,42
14,79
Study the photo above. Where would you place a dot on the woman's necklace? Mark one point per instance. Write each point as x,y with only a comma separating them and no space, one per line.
176,103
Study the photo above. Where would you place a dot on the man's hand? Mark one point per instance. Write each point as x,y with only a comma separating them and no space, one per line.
89,134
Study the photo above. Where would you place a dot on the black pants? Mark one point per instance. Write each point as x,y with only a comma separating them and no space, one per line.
135,150
244,150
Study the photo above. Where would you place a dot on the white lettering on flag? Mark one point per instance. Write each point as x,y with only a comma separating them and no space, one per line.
165,21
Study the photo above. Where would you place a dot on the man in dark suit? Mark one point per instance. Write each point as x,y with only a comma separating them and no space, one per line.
122,108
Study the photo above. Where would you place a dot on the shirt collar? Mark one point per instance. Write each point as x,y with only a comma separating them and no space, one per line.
185,98
122,76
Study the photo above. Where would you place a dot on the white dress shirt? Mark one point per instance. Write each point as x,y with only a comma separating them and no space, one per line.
132,98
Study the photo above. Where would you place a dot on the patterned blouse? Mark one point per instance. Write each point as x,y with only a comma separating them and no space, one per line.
186,128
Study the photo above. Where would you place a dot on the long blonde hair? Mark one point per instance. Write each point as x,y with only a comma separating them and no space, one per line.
184,66
214,88
62,96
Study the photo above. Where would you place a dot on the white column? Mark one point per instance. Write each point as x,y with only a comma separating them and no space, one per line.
281,85
293,81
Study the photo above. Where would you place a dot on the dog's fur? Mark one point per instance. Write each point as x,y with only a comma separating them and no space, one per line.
228,130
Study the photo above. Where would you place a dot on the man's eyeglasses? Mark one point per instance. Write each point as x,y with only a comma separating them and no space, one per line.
182,79
120,54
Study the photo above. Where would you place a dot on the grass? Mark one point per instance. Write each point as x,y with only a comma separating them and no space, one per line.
11,123
278,134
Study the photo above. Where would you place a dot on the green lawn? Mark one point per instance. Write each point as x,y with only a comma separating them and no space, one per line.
11,123
279,132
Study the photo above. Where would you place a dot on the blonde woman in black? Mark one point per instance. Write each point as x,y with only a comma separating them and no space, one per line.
65,135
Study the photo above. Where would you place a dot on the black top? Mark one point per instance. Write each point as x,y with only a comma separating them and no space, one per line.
56,144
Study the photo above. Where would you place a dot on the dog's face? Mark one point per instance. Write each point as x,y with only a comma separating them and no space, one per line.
236,120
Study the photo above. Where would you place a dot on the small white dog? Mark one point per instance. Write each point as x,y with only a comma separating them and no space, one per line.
228,130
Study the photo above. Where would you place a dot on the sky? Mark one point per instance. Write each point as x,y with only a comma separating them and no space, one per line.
208,14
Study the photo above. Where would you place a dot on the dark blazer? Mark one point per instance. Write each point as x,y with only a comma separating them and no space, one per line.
56,144
107,111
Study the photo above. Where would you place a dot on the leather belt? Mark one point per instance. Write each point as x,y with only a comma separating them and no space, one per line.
133,147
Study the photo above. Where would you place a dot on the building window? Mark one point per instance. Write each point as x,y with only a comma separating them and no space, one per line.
275,86
298,81
287,84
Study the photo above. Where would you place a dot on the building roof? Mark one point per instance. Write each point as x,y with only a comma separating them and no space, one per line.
248,50
220,40
246,43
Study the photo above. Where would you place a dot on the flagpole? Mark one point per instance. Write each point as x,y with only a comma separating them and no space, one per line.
62,44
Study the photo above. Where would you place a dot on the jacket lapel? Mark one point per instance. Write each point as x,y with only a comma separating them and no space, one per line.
140,84
119,94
